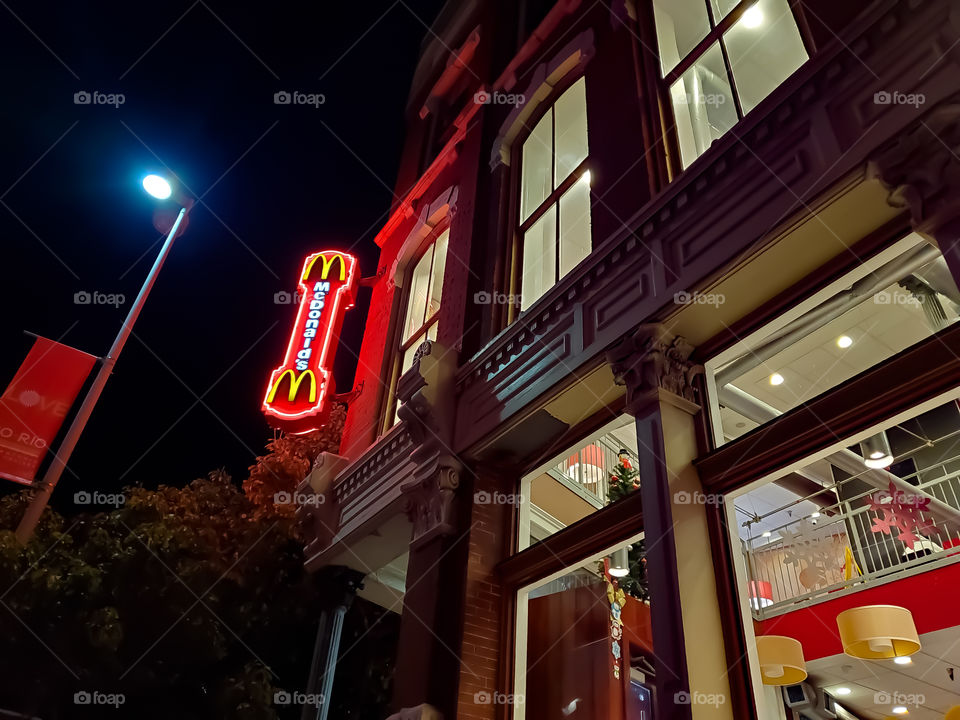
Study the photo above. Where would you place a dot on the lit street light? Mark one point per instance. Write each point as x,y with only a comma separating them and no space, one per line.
159,188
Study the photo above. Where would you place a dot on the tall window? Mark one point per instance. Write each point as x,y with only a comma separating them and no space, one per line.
720,59
425,285
554,195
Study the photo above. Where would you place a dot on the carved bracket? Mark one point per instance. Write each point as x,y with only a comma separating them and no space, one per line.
653,359
920,170
425,393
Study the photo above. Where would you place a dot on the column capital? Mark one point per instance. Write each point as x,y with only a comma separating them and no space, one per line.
653,360
920,171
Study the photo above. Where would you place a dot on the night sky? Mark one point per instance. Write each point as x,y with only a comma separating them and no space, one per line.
275,181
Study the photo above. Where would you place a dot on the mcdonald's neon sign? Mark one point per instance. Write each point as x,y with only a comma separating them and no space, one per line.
298,393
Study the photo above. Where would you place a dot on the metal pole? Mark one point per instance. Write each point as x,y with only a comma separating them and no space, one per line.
45,487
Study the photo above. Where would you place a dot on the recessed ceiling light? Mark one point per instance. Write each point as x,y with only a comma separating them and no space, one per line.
902,660
766,533
842,691
900,710
844,341
815,515
753,17
776,379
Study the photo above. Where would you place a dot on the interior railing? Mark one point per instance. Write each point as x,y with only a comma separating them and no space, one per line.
812,559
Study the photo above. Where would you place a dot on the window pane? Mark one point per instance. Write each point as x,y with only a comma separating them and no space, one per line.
575,224
417,300
535,177
842,336
681,24
436,278
408,354
539,258
702,104
581,480
765,49
571,130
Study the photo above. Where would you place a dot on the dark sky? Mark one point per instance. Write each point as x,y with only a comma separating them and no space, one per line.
276,182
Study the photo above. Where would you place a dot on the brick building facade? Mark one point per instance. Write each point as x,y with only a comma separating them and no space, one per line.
660,279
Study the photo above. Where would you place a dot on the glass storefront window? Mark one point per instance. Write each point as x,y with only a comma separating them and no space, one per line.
835,535
579,481
585,641
897,298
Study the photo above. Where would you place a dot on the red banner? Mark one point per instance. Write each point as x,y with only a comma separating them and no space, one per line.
36,403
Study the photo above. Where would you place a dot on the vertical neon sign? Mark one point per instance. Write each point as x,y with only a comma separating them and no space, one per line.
298,394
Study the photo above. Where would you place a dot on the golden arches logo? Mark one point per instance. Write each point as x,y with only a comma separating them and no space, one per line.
295,381
326,265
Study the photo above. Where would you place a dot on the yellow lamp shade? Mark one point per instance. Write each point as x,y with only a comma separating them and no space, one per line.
953,713
877,632
781,660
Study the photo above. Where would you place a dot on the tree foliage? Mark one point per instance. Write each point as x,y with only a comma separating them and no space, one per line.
191,602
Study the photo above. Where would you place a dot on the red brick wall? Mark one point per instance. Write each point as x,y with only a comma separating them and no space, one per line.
482,634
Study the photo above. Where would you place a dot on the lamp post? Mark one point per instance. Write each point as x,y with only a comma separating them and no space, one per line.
159,188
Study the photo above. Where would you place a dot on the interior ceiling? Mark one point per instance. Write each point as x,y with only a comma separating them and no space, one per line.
816,363
767,499
927,677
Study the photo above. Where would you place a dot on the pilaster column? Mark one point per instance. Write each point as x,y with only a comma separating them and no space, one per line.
921,171
691,667
428,664
340,585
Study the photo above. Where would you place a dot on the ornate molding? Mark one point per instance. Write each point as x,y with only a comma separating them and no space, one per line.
426,409
920,170
653,359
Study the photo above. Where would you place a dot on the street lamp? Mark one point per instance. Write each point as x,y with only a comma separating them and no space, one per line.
159,188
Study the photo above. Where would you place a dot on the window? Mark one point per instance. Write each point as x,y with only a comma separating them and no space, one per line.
832,534
554,195
895,299
719,60
424,287
584,640
587,477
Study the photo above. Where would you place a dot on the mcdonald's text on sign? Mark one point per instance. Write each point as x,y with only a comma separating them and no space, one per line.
299,393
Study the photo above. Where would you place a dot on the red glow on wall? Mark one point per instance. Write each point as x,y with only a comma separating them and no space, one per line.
298,395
